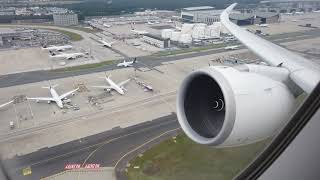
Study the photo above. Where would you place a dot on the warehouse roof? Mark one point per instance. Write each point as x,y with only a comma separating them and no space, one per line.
241,16
198,8
244,16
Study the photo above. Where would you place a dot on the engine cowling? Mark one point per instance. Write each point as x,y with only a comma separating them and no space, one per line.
222,106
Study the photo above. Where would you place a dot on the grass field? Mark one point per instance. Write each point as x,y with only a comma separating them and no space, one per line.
73,36
85,66
185,160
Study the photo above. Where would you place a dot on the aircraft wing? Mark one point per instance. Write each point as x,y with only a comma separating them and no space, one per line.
303,72
102,87
42,99
68,93
2,105
123,83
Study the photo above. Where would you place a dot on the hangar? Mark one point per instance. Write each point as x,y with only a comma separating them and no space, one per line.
242,19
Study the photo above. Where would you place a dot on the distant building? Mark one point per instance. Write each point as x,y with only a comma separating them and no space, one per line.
289,6
65,19
203,14
255,18
1,41
156,41
7,12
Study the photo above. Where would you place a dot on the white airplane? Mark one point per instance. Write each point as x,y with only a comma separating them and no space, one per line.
231,48
299,13
106,44
139,32
127,63
69,56
55,97
57,48
107,25
288,13
5,104
150,23
225,106
317,11
263,25
113,86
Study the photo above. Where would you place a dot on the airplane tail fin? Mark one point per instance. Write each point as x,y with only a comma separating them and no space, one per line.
135,60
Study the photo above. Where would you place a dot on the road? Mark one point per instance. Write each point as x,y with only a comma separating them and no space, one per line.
105,149
150,62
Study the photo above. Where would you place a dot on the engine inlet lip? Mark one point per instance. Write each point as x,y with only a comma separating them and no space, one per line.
230,110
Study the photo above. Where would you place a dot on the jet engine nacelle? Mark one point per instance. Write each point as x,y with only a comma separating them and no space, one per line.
222,106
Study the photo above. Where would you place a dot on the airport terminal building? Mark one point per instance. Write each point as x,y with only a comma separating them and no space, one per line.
65,19
156,41
289,6
209,15
255,18
202,14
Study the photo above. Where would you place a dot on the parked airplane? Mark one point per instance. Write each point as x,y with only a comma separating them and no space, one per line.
220,105
288,13
139,32
127,63
69,56
5,104
150,23
106,44
299,13
113,86
54,96
231,48
107,25
263,25
317,11
57,48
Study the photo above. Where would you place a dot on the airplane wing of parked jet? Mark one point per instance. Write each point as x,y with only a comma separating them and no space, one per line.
68,93
5,104
103,87
68,56
42,99
123,83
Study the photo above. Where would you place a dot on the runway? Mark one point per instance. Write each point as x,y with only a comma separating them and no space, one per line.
104,149
148,61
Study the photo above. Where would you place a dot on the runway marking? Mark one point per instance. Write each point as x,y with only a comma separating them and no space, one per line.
145,144
101,143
